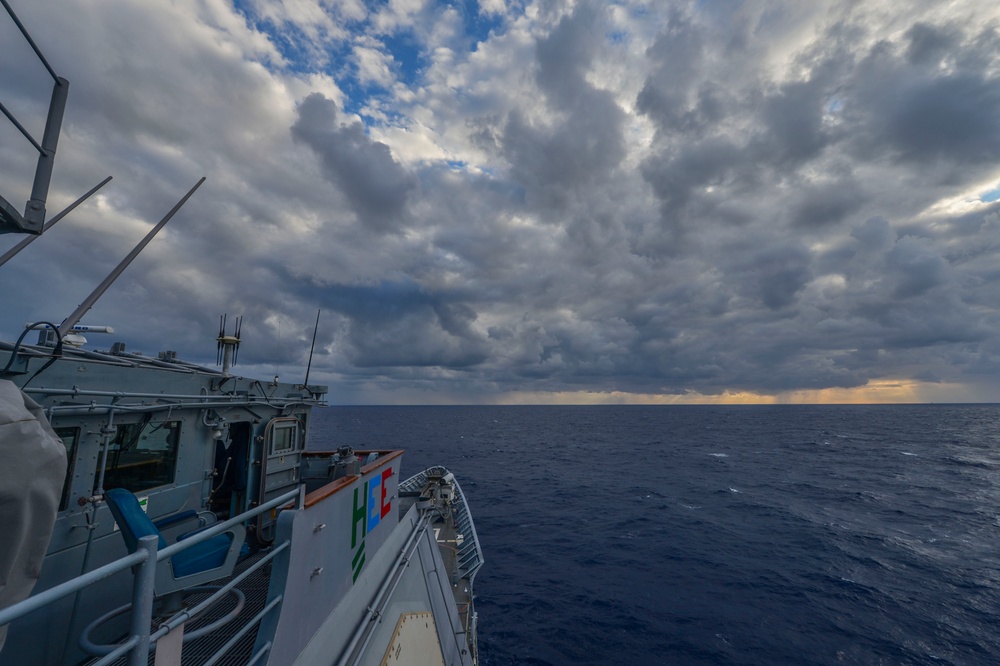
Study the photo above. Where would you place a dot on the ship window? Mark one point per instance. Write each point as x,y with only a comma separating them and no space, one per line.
284,437
142,456
69,437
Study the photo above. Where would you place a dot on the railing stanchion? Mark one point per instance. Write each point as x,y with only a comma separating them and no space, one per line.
142,601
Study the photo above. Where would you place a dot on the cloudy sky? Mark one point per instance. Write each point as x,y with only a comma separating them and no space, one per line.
529,200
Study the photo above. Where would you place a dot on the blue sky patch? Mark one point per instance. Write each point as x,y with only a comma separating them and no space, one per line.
478,26
991,196
289,40
407,53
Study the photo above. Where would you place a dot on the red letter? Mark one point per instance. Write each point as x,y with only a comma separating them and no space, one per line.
386,506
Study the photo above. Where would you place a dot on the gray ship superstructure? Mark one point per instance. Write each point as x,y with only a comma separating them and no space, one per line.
193,526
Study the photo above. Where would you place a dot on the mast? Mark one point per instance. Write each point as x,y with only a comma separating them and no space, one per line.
12,252
34,210
312,348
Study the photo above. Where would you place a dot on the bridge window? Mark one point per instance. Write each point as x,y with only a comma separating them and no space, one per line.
142,456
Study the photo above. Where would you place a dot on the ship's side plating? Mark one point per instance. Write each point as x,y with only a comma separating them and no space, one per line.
371,548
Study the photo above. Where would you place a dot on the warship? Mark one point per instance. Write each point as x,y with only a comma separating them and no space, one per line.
155,511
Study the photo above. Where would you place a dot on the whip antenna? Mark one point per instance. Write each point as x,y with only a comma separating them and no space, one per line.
88,303
311,348
9,254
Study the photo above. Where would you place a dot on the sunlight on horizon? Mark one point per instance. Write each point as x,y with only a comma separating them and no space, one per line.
884,391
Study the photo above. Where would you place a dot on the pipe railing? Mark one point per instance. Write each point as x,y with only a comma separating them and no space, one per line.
146,556
54,594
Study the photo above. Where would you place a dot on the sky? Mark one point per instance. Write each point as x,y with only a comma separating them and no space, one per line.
528,201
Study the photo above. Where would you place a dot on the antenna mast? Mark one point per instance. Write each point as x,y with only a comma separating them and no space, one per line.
12,252
311,348
228,346
34,211
88,303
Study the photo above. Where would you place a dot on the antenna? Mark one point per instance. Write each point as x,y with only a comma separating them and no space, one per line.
228,345
222,334
12,252
239,327
277,353
311,348
34,211
109,280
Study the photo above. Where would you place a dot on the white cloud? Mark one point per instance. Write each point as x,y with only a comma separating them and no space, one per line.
316,21
374,65
492,7
397,15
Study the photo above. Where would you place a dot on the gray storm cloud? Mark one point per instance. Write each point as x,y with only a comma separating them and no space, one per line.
560,197
364,170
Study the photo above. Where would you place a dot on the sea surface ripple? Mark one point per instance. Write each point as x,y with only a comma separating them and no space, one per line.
719,535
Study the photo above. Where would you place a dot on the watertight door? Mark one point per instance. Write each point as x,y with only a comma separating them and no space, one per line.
283,444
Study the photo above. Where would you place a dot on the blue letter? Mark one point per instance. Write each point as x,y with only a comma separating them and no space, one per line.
374,502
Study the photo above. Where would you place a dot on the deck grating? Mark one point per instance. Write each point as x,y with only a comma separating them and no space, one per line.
196,652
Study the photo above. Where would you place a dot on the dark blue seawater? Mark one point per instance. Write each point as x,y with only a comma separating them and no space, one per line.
719,535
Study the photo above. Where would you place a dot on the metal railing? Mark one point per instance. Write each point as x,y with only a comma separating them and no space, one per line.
470,553
146,556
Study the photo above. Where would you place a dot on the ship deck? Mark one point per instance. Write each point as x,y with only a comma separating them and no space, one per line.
197,651
447,536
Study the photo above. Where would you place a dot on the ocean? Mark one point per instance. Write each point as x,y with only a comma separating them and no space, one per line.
719,534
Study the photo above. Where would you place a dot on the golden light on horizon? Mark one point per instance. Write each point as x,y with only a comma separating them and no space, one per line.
883,391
